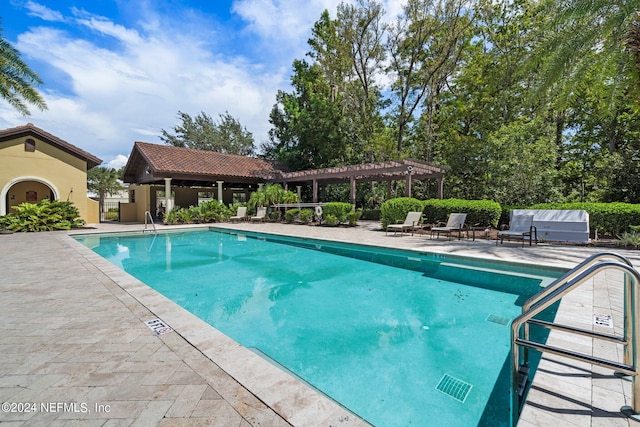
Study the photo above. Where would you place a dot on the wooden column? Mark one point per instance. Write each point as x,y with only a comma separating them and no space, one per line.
352,181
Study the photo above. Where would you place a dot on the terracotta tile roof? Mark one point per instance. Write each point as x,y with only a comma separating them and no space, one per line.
30,129
168,159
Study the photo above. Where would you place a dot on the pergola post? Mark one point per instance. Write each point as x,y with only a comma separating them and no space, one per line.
441,187
315,191
407,189
352,181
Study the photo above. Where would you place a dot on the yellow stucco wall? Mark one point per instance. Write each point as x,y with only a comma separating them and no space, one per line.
24,171
93,211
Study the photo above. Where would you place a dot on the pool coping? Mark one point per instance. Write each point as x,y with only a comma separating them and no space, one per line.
291,398
563,391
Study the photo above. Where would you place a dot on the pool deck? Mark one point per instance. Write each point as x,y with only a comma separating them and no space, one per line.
75,349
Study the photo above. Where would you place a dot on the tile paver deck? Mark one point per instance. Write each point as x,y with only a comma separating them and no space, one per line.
74,343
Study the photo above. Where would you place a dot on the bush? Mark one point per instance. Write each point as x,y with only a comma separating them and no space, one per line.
43,216
306,216
291,214
479,212
331,220
606,218
395,210
353,217
339,210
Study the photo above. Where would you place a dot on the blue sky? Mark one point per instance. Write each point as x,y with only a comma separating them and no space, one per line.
118,71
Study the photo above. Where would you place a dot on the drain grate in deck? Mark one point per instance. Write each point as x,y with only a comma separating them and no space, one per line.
454,387
498,319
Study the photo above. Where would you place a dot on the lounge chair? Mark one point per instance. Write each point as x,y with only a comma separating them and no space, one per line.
521,226
455,223
241,215
411,222
261,215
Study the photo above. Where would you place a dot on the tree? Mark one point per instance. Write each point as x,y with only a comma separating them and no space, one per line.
308,125
425,45
17,80
202,133
104,181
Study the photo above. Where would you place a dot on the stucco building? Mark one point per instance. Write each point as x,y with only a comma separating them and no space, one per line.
36,165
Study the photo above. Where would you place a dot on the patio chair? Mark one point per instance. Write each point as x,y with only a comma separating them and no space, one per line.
521,226
261,215
411,222
241,215
455,223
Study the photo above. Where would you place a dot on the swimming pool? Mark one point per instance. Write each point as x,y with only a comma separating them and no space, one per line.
397,337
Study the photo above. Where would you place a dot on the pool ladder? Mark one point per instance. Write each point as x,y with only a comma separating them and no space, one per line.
148,218
584,271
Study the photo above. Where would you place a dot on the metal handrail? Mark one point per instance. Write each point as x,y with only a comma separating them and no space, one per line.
553,287
147,214
576,277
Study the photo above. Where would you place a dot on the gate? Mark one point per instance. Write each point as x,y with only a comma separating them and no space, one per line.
110,212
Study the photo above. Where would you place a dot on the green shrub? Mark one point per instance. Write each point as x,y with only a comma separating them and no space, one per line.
395,210
629,239
479,212
212,211
353,217
43,216
607,218
331,220
306,216
291,214
340,210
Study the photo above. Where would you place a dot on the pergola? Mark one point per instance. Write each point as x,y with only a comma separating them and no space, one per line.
395,170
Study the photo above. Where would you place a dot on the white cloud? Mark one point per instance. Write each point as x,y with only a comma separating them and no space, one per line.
124,83
118,162
136,87
43,12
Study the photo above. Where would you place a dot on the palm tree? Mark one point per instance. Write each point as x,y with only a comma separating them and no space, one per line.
584,35
17,80
103,181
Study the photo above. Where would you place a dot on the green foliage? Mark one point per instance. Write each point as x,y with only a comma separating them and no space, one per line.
396,210
103,181
290,215
17,80
629,239
202,133
480,212
43,216
353,217
211,211
340,210
331,220
207,212
606,218
271,194
306,216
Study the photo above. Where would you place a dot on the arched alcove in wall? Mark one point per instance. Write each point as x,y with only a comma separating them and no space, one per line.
26,189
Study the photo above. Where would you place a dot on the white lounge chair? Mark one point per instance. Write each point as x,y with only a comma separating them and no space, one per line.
261,215
521,226
241,215
454,223
411,222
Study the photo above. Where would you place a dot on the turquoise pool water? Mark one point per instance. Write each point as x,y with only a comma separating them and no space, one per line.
399,338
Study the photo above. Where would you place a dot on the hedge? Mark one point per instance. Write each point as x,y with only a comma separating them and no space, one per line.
479,212
395,210
609,219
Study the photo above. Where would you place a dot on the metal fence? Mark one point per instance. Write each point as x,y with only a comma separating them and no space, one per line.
110,212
